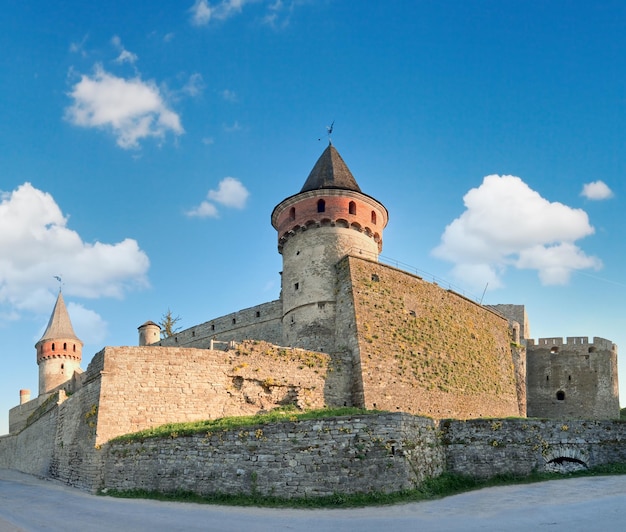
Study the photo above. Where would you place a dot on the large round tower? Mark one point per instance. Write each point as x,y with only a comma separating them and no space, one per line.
59,351
327,220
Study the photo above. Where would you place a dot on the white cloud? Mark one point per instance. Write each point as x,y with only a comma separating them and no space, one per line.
131,108
597,190
506,223
204,210
88,325
36,245
125,56
194,86
202,12
79,47
230,193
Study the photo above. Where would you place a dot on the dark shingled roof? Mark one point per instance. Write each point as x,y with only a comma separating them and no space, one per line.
330,172
59,325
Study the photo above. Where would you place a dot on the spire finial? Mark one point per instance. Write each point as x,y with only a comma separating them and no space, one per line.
330,132
58,278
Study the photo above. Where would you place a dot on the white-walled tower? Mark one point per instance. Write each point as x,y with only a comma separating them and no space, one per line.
59,351
327,220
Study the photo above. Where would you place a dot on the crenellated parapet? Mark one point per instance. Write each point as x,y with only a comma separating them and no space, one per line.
572,343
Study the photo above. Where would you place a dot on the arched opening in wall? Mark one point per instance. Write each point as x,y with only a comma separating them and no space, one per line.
53,346
547,377
554,349
65,347
212,327
374,217
258,314
234,321
321,205
355,226
560,395
292,213
342,223
74,348
325,222
62,366
592,349
352,207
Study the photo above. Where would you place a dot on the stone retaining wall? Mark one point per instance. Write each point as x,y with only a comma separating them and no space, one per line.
353,454
489,447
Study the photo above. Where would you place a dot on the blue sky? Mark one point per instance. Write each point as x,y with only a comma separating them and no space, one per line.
144,145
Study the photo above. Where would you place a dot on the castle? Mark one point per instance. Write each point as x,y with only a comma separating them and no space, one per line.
346,330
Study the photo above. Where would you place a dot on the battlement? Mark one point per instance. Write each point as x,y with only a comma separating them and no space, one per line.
576,343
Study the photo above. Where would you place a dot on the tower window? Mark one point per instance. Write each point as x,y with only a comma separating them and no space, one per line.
234,321
352,207
321,206
560,395
212,326
296,286
292,213
74,348
374,217
555,349
258,314
64,347
53,346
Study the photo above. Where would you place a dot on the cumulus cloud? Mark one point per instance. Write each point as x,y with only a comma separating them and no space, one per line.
132,109
36,244
597,190
202,12
505,224
230,193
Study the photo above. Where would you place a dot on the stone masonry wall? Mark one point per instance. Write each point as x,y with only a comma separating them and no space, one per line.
353,454
489,447
572,379
262,322
31,450
427,350
143,387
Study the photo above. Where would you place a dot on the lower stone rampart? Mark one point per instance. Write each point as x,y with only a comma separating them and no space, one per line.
386,452
354,454
488,447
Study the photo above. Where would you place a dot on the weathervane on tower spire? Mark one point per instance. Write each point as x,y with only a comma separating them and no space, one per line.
329,131
58,278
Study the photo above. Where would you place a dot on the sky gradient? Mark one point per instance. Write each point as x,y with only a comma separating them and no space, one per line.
144,145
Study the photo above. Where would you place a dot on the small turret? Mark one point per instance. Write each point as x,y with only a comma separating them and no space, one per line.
59,351
149,333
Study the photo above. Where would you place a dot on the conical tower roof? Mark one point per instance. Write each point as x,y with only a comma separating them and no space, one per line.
59,325
330,171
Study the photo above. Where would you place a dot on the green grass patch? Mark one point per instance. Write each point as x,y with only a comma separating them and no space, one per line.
436,488
287,413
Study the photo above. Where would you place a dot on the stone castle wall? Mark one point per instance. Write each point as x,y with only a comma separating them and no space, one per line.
426,350
261,322
489,447
384,452
143,387
355,454
572,379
